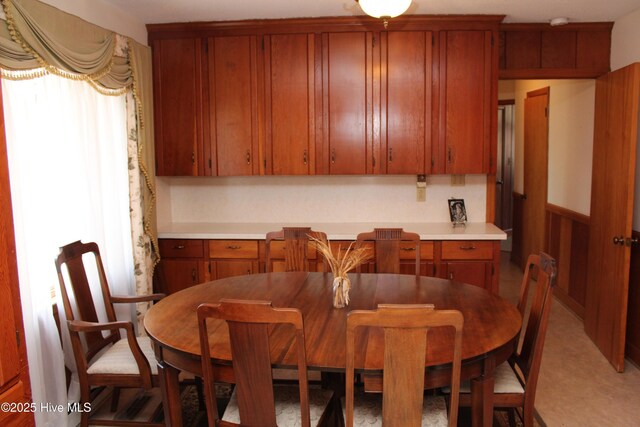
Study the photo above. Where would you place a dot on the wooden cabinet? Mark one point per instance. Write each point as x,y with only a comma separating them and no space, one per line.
325,96
178,107
182,265
466,114
233,100
406,113
471,261
290,103
347,101
232,258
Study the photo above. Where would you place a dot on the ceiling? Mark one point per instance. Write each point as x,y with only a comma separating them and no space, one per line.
162,11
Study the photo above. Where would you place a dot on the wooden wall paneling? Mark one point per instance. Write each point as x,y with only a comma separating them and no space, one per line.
522,49
558,49
632,350
516,231
567,241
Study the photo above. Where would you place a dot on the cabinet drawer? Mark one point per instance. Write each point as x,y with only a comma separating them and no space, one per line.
181,248
233,249
467,249
278,247
408,250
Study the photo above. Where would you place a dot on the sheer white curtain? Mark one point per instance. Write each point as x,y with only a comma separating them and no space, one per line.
67,149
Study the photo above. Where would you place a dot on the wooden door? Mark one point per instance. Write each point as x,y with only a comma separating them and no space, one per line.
504,166
177,77
473,272
347,102
536,147
465,101
290,103
612,194
14,372
233,106
406,62
179,274
236,267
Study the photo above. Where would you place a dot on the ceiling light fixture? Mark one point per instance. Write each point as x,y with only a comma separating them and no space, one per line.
384,9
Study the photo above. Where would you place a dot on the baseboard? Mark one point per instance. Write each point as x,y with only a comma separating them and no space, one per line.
569,302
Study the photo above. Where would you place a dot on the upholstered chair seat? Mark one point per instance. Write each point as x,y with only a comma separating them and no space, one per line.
118,359
367,410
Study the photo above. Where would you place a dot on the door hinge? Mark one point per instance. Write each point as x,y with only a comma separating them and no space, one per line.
210,164
209,267
264,163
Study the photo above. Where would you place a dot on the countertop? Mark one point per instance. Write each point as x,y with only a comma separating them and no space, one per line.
335,231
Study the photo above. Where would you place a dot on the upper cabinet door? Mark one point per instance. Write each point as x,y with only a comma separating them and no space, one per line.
177,66
406,64
466,62
233,106
290,107
347,101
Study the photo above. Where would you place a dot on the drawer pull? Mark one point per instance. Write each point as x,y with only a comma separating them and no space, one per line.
407,249
233,247
179,247
467,248
194,275
450,276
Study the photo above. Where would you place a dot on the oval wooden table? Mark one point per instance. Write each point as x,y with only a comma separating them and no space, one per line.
491,329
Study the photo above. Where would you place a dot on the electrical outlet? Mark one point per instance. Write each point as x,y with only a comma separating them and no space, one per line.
421,194
457,180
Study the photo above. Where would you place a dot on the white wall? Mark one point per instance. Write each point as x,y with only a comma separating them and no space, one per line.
315,199
105,15
571,112
625,50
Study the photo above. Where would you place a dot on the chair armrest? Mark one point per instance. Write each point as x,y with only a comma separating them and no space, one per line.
121,299
141,360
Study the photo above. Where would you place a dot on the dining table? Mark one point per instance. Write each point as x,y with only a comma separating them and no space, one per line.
490,334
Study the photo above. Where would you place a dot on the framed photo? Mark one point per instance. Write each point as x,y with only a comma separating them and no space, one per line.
457,211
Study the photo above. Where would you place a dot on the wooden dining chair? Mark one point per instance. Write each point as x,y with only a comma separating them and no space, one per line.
388,247
405,341
516,380
255,400
103,357
296,247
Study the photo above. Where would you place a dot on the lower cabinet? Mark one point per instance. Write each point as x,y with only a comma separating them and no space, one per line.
188,262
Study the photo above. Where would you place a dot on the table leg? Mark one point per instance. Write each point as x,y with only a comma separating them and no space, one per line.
170,394
482,396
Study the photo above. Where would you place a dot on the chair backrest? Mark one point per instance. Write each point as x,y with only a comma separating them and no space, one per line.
388,247
71,256
249,323
296,247
529,357
405,342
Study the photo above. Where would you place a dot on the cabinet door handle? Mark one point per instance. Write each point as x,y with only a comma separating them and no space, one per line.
333,155
193,157
248,157
390,154
450,276
179,247
467,248
449,155
194,275
304,157
234,247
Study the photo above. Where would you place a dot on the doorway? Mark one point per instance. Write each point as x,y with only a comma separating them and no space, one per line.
504,170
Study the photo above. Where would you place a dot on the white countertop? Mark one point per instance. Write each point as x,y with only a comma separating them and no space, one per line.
335,231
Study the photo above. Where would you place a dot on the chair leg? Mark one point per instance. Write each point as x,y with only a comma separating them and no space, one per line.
115,399
200,390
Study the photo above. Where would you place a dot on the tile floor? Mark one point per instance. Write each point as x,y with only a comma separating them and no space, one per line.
577,385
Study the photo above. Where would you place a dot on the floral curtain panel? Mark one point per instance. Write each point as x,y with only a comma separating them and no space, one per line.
37,39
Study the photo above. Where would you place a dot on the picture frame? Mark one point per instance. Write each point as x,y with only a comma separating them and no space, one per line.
457,212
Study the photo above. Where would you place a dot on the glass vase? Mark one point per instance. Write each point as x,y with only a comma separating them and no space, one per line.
341,287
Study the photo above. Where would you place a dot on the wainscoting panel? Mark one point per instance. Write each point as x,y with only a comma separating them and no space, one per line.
567,241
